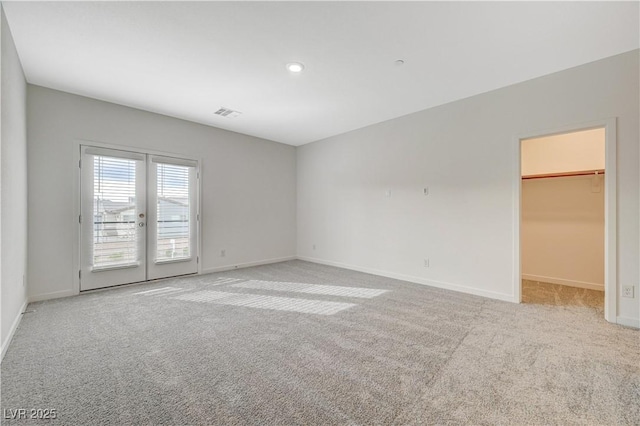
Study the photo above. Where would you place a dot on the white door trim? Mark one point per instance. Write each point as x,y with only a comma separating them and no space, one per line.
75,185
610,209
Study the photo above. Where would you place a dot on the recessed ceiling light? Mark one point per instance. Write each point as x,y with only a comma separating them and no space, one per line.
295,66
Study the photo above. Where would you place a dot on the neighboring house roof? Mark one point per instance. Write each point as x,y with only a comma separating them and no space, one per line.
119,207
183,202
109,206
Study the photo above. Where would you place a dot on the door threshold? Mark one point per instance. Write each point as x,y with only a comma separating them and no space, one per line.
155,280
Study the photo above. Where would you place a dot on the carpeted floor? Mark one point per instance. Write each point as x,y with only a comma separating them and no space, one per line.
300,343
561,295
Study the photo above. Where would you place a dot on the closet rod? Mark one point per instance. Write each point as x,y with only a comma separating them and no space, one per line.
553,175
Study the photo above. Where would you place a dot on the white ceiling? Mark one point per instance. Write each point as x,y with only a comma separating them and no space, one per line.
188,59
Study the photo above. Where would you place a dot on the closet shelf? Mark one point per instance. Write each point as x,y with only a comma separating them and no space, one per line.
577,173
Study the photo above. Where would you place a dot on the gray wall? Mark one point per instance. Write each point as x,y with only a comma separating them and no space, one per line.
464,153
13,184
248,184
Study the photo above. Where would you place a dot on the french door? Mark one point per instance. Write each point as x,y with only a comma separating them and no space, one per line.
138,217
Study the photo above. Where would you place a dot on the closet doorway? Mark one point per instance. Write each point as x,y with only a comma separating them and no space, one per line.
566,218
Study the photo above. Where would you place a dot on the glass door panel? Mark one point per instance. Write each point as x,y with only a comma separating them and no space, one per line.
172,230
112,233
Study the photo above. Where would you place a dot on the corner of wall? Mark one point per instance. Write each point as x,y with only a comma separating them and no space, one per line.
13,198
14,326
2,344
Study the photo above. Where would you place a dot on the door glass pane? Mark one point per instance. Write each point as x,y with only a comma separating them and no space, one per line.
114,212
173,212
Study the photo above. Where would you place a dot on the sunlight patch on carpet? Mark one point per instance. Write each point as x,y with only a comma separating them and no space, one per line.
225,281
318,307
329,290
158,291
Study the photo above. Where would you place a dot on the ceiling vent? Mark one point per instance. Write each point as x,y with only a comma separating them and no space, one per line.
226,112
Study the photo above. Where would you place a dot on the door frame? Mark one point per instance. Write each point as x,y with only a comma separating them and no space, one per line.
610,209
77,208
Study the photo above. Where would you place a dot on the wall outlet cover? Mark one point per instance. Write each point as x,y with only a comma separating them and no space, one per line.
627,291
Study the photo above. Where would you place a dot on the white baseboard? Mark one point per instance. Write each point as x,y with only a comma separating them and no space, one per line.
12,330
629,322
562,281
416,280
52,295
246,265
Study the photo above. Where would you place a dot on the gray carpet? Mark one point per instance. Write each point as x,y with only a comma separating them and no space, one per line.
252,347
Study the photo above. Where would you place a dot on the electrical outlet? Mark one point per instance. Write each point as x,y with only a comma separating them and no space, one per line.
314,246
223,253
627,291
426,263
